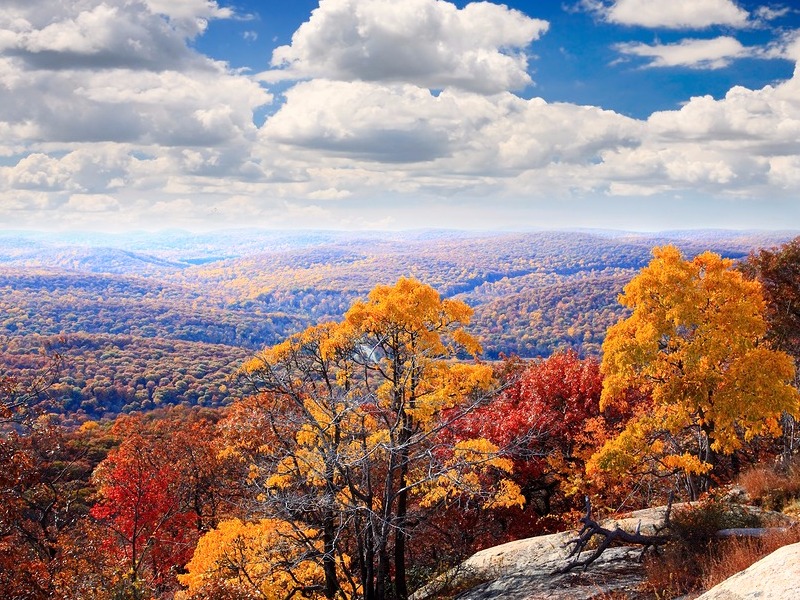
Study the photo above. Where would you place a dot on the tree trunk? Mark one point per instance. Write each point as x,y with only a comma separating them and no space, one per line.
329,560
400,583
708,456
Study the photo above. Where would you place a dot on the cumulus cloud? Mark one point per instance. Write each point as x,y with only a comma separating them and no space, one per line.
457,130
403,107
101,36
428,43
713,53
674,14
120,75
744,144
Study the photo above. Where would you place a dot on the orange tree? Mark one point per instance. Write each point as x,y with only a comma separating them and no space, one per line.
349,415
695,343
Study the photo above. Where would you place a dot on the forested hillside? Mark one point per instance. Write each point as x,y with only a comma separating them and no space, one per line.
362,457
201,302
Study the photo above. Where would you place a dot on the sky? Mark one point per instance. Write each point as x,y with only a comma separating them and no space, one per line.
645,115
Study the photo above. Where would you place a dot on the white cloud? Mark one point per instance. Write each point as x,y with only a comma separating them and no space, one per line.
94,35
765,120
190,16
744,144
456,131
352,136
713,53
429,43
36,171
113,71
770,13
329,194
784,172
673,14
107,111
786,46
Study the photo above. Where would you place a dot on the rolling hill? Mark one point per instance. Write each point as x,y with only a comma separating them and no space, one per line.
212,299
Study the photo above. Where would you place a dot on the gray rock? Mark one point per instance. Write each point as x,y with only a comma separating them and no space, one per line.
526,569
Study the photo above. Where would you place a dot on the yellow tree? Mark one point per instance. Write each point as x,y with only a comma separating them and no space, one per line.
253,560
350,415
694,342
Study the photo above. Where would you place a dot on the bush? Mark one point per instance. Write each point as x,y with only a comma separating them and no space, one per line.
695,526
683,564
737,554
772,487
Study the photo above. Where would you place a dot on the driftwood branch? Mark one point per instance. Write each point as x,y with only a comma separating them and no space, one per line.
592,528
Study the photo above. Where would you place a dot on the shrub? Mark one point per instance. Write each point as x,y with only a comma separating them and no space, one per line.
736,554
681,567
695,526
772,487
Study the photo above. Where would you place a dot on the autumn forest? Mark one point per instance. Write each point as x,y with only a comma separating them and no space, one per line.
327,415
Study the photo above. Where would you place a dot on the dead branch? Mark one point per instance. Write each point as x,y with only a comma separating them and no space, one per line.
592,528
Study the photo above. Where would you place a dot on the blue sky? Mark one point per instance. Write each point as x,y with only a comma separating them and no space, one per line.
576,60
380,114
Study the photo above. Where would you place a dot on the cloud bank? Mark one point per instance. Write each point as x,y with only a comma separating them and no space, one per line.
391,115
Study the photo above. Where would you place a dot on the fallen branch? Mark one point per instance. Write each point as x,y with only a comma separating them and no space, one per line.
592,528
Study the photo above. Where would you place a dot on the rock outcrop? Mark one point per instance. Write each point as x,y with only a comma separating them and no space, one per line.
526,569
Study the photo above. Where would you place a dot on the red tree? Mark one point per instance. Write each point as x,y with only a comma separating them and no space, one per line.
548,421
140,506
158,492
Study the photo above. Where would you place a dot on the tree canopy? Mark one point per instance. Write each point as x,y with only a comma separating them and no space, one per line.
695,343
351,414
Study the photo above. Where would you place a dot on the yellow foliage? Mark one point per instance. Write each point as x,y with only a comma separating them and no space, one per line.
506,495
694,343
365,398
687,463
470,461
254,559
481,452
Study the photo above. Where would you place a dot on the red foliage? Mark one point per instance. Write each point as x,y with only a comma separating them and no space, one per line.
548,422
540,421
158,492
141,507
